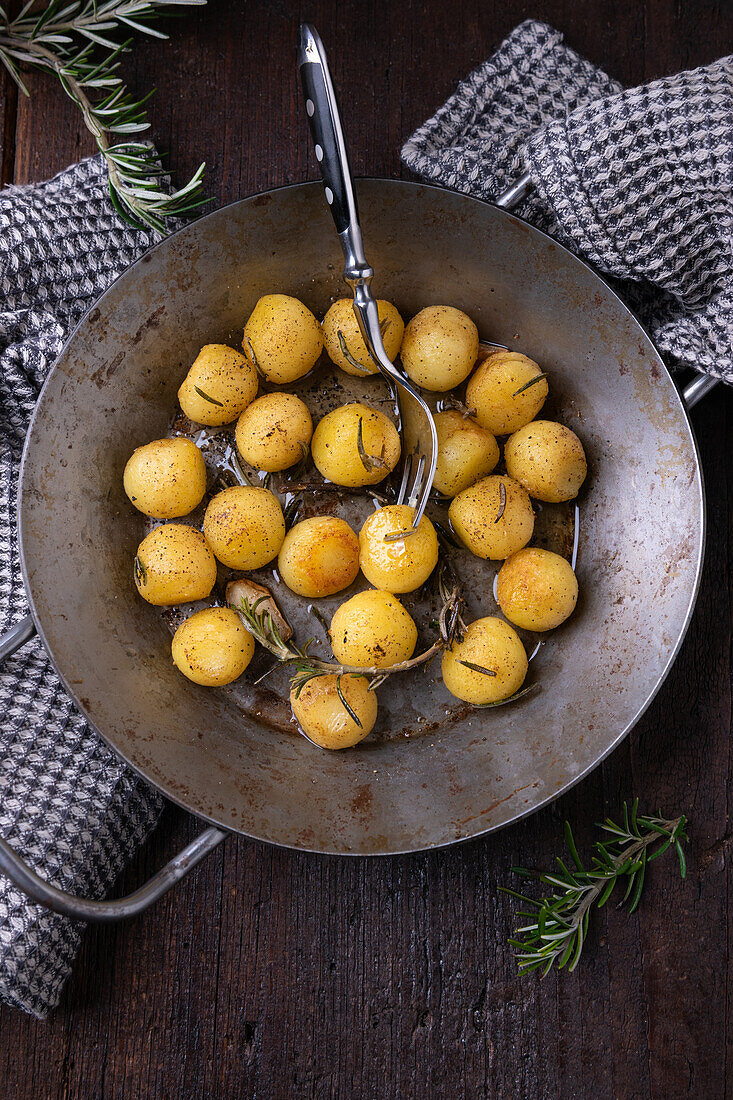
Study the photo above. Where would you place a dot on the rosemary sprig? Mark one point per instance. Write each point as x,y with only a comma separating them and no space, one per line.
557,928
78,41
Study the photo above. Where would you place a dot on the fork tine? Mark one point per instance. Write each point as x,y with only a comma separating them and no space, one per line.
406,468
414,495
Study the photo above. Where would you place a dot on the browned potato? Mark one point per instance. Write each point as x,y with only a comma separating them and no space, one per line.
372,630
273,432
439,347
322,716
166,479
499,659
244,526
493,518
506,390
466,452
397,564
536,589
174,564
547,459
282,339
345,344
218,387
335,446
212,647
320,556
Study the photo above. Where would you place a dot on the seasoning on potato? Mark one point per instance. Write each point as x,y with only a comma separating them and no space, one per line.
244,526
439,347
218,387
547,459
212,648
166,479
174,564
466,452
536,589
489,665
493,518
373,630
344,342
355,445
273,432
282,339
319,557
506,391
322,716
394,555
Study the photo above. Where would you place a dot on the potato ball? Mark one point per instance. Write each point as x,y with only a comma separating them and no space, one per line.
273,432
244,526
466,452
397,564
322,716
345,344
320,556
355,445
493,518
372,630
547,459
439,347
536,589
218,387
506,390
166,478
282,339
498,658
212,648
174,565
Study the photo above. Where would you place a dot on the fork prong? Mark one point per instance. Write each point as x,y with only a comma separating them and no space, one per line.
414,495
406,475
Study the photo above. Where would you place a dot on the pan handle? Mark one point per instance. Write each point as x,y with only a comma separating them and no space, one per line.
694,391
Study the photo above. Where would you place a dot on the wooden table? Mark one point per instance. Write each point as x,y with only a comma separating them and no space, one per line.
277,975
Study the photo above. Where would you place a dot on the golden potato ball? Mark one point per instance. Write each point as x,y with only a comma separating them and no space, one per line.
244,526
536,589
397,564
212,647
319,557
489,644
466,452
373,630
547,459
282,339
174,564
335,446
322,716
493,518
218,387
340,324
166,478
439,347
273,432
506,391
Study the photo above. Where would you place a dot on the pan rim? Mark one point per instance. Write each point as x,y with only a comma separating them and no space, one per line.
521,814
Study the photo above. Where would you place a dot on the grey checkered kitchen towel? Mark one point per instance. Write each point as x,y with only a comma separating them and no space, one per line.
66,802
638,182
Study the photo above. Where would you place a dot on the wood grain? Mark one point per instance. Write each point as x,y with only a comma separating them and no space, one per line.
274,974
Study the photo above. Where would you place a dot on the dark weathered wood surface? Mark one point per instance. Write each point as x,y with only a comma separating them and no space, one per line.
272,974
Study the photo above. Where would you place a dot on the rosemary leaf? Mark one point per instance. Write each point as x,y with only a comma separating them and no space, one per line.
478,668
206,397
369,462
353,363
502,501
532,382
349,709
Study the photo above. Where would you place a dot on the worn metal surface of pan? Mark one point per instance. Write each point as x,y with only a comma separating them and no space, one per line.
437,773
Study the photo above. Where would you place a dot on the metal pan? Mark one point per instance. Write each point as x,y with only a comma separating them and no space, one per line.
440,774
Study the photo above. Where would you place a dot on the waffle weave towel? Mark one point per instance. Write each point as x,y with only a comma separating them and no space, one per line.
638,182
66,802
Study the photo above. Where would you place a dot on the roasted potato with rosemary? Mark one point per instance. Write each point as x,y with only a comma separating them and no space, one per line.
493,518
273,432
244,526
393,555
506,391
536,589
547,459
174,564
212,647
326,708
439,347
372,630
282,339
355,445
345,344
489,665
218,387
319,557
466,452
166,479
